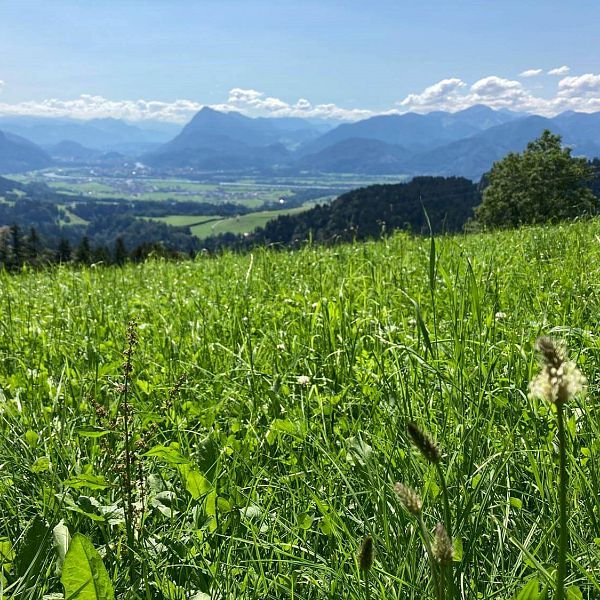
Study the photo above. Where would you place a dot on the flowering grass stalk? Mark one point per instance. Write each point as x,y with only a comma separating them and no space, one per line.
414,505
431,452
559,380
365,562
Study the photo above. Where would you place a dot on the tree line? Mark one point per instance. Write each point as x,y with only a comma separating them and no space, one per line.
19,248
544,183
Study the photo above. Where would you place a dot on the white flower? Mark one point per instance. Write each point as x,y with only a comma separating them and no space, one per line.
281,346
500,315
303,380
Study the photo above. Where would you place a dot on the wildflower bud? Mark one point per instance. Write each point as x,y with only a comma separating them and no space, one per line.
365,556
442,546
409,498
424,443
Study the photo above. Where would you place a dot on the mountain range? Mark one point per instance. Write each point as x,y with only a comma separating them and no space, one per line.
464,143
18,154
107,135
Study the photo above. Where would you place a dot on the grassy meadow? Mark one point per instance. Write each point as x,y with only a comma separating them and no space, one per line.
254,436
208,225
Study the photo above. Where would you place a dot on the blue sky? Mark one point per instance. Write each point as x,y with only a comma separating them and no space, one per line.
358,57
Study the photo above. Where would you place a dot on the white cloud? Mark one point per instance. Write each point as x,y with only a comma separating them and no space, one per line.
492,91
92,107
438,96
247,101
494,88
1,84
255,103
583,86
530,73
559,70
579,93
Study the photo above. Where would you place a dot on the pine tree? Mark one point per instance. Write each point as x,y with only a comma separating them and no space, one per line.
16,246
63,252
83,254
121,255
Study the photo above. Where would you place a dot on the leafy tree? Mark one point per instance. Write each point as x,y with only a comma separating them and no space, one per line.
544,183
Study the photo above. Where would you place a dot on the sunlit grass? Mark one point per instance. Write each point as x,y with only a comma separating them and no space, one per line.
273,457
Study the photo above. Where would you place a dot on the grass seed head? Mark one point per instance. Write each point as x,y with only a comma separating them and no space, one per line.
409,498
365,555
426,446
559,379
442,545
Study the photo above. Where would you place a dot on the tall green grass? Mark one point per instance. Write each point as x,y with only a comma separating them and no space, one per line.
270,397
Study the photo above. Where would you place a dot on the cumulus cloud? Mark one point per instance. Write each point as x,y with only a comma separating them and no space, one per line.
581,93
454,94
93,107
247,101
583,86
439,96
559,70
255,103
530,73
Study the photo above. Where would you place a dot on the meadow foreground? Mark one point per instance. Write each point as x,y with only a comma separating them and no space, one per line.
252,435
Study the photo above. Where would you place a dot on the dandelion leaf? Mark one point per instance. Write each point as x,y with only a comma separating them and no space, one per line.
531,590
84,576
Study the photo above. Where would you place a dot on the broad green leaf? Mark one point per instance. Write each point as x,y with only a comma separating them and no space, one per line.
93,482
359,452
32,438
458,550
195,483
164,503
210,506
530,591
61,537
84,576
92,432
516,503
41,464
573,593
170,455
205,457
305,521
7,554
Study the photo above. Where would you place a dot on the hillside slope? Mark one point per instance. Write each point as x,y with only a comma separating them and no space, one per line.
18,154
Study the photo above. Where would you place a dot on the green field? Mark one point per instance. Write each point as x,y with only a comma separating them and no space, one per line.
258,436
75,183
207,225
186,220
242,224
